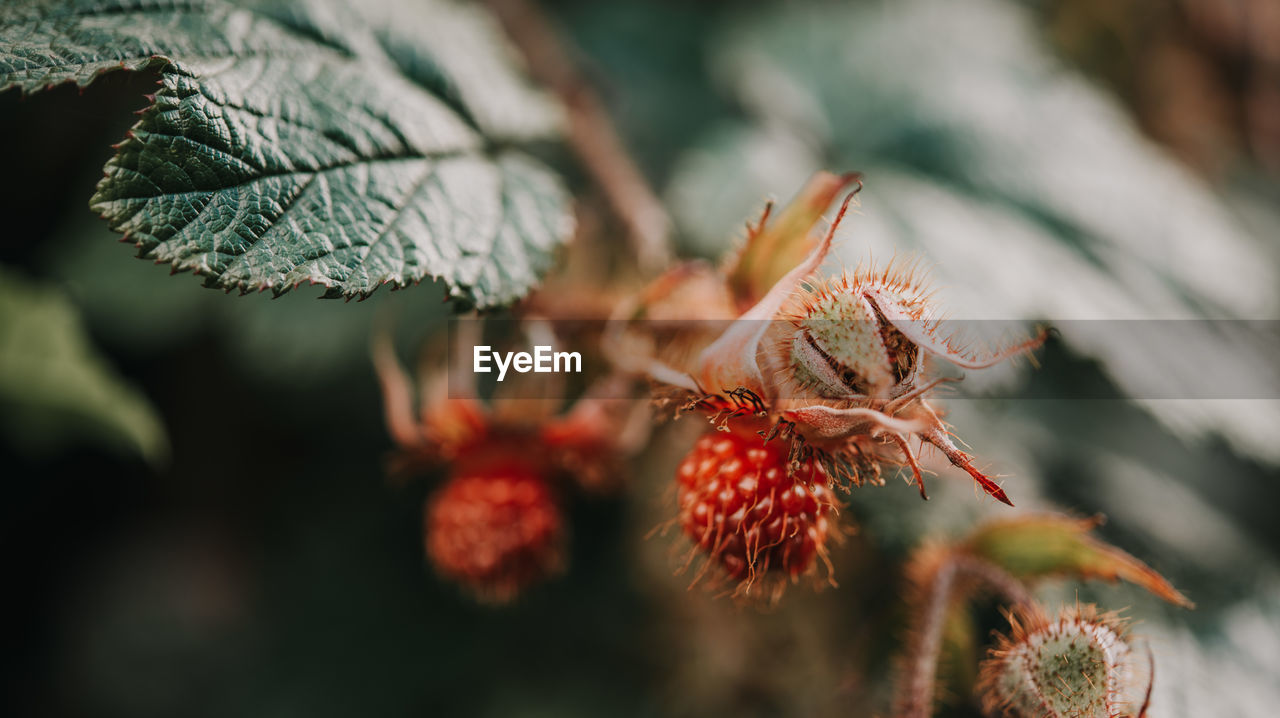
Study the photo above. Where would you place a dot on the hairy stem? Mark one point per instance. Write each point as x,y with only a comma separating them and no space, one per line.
918,684
591,132
915,694
1010,590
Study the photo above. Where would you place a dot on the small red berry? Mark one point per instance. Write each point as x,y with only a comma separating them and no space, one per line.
495,532
741,505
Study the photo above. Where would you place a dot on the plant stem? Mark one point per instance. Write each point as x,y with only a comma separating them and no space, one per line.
915,694
1012,591
918,687
591,132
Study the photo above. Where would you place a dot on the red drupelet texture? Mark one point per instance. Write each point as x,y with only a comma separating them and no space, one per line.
740,506
496,532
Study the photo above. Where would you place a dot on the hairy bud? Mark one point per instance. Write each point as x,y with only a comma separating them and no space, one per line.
1079,665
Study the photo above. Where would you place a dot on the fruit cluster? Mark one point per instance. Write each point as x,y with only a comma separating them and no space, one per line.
812,382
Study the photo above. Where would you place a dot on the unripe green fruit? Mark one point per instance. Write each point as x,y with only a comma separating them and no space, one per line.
844,347
1078,666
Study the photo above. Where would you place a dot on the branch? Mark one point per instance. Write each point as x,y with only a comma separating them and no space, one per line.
916,693
591,132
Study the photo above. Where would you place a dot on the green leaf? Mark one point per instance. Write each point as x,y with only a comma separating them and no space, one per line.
292,341
1040,545
54,385
299,142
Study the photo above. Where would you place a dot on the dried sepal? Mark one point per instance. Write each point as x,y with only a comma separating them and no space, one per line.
732,361
444,422
773,247
590,440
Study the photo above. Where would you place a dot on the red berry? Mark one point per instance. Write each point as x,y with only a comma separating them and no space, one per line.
495,531
740,505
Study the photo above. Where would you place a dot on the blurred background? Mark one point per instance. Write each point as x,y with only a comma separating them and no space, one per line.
197,519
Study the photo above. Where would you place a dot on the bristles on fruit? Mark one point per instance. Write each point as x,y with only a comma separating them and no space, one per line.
757,523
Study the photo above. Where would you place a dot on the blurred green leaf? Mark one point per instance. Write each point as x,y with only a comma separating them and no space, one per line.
54,385
304,142
293,340
1041,545
1003,165
647,59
